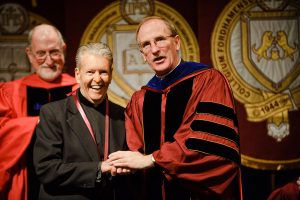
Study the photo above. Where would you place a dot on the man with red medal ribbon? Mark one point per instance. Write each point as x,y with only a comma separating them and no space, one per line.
76,134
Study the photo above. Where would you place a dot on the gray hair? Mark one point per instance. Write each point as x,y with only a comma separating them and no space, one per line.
98,49
31,32
170,26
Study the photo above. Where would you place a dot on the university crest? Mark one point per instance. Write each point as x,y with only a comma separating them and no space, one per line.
256,45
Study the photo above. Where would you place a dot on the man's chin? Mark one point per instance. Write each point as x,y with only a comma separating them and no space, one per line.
49,78
97,99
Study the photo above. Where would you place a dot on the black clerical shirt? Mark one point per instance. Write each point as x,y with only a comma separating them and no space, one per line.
96,117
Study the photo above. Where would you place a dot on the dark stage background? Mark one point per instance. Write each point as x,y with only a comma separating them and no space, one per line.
72,17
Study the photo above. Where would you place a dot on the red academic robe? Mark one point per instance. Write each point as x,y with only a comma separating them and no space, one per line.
289,191
16,130
197,144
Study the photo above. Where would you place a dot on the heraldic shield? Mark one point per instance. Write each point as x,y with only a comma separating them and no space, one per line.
256,45
270,44
270,48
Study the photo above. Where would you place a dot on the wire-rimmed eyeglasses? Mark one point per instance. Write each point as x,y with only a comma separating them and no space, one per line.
41,56
159,41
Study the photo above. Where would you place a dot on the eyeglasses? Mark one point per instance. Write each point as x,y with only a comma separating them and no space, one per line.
160,42
42,55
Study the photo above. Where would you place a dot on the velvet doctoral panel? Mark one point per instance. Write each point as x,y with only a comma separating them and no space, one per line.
189,125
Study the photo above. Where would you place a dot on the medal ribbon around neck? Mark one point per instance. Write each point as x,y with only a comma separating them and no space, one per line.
88,124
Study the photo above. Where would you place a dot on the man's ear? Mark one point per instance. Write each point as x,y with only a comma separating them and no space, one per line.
77,75
27,51
64,47
29,54
177,39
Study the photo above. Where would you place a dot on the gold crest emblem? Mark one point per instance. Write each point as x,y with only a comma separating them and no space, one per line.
256,45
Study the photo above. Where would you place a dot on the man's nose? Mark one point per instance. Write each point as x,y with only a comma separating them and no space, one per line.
49,60
154,48
97,77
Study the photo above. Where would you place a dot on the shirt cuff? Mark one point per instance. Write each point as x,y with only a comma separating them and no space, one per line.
99,173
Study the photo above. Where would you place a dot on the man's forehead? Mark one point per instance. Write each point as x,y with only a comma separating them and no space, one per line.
48,42
151,29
